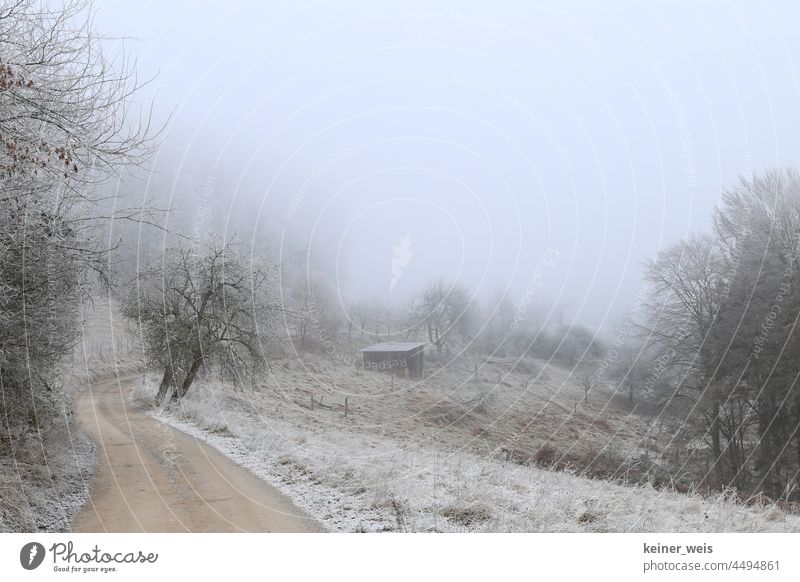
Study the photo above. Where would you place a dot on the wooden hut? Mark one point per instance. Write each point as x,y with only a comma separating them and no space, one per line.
402,358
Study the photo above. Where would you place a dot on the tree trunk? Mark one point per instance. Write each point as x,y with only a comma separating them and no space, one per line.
166,383
767,461
716,446
191,374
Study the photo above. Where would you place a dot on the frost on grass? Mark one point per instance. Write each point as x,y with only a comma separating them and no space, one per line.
355,477
45,483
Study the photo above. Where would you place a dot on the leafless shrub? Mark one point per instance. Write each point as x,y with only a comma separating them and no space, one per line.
400,509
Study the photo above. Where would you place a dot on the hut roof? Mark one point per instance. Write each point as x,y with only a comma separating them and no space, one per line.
394,347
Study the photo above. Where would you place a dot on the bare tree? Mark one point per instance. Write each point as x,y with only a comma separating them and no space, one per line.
686,286
64,128
441,310
197,309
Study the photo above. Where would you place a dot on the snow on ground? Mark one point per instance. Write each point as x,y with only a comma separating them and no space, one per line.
354,477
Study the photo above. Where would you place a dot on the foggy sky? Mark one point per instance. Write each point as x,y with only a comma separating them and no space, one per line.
469,140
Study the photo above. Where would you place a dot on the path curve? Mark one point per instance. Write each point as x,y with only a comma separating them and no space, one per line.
151,477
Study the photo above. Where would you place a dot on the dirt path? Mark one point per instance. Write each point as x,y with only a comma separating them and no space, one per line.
151,477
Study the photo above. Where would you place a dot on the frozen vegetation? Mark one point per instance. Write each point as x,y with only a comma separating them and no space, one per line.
46,481
357,477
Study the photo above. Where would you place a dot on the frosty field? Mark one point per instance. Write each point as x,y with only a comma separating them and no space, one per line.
391,466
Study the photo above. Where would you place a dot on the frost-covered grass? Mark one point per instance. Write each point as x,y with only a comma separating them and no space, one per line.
44,481
361,475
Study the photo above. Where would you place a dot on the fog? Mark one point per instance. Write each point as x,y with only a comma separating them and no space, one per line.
527,150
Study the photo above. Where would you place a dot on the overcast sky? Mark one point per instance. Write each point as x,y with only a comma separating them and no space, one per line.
542,148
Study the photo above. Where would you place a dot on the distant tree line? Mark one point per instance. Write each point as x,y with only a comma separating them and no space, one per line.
443,314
